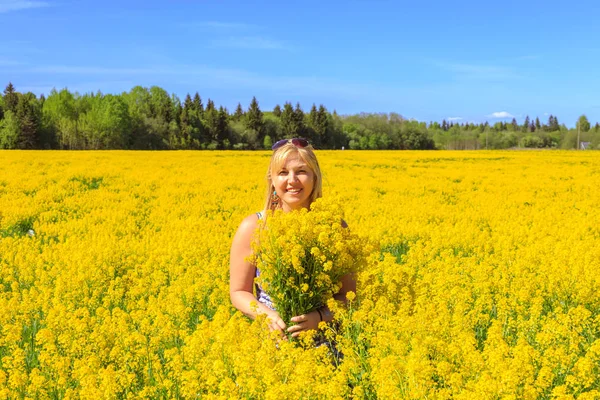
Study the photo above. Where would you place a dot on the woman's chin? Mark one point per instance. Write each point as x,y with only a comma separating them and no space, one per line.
295,205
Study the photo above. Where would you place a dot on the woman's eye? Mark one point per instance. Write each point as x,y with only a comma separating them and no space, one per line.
282,172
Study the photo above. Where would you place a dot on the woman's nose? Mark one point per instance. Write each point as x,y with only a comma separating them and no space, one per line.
292,177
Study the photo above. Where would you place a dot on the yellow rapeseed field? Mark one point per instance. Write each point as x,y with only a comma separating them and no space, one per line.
485,281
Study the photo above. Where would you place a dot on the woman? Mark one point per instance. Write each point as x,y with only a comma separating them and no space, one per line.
293,182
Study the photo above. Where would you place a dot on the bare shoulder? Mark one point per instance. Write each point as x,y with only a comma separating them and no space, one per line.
247,226
251,221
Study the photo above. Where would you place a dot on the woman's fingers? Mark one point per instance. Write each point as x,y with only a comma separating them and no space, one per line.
280,324
299,318
276,323
296,328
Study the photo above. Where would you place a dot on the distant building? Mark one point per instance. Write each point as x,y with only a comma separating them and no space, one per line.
586,145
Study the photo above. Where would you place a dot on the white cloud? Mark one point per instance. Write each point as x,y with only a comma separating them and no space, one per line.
234,35
15,5
529,57
501,114
8,63
454,118
223,25
479,72
249,42
66,69
222,77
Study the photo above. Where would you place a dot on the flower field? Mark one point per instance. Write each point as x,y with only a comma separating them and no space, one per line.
484,282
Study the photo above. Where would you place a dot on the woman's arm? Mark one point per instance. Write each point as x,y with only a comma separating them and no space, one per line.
241,276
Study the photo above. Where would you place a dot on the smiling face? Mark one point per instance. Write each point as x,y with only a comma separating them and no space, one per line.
294,183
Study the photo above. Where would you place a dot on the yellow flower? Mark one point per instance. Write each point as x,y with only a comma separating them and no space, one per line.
477,276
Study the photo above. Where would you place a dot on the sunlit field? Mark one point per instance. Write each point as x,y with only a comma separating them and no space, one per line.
485,281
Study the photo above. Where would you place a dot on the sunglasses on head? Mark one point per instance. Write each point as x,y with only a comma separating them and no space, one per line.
298,142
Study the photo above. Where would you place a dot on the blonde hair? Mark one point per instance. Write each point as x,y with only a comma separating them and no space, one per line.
279,158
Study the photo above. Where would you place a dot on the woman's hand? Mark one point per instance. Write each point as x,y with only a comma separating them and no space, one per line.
275,322
304,323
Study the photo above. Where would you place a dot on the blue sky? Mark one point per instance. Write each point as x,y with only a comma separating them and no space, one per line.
460,60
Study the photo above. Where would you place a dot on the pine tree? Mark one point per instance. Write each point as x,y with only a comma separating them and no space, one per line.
239,112
177,108
288,122
210,106
254,118
28,121
185,121
188,103
526,124
322,127
198,106
222,126
212,123
515,125
277,111
299,120
311,129
551,124
312,115
538,126
11,98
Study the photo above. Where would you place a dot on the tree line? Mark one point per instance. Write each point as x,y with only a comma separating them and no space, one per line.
152,119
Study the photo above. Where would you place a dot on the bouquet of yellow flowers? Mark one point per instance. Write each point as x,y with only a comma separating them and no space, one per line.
302,256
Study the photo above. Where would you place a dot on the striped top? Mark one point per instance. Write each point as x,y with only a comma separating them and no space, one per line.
261,295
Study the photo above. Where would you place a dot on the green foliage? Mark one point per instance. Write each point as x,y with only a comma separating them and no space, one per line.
532,141
9,131
107,125
192,131
277,111
272,127
288,121
161,105
239,112
154,119
147,132
29,116
11,98
60,115
198,106
298,118
570,140
254,118
583,124
267,143
525,127
20,228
